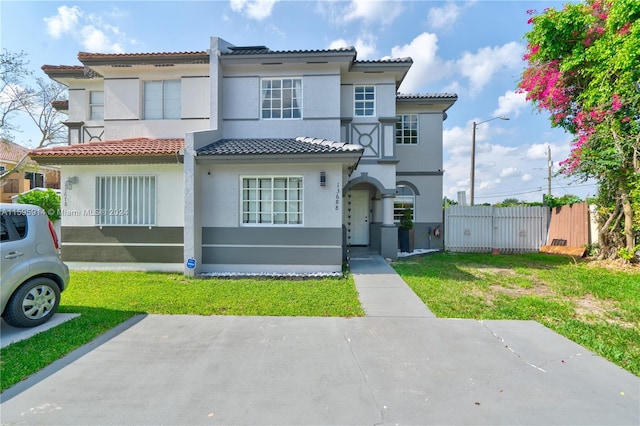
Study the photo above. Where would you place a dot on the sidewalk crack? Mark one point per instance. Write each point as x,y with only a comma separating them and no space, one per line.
366,382
501,340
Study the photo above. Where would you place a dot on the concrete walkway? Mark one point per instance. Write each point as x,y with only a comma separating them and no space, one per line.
398,365
382,292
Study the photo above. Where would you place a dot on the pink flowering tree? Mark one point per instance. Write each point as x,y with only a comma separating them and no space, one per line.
583,69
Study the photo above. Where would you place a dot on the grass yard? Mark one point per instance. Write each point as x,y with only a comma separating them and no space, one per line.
106,299
594,305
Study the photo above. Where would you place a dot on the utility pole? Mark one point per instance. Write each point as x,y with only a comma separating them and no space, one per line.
549,167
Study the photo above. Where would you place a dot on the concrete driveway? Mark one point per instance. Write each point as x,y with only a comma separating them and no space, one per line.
396,366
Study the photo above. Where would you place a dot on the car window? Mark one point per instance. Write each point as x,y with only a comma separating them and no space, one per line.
19,227
4,232
20,223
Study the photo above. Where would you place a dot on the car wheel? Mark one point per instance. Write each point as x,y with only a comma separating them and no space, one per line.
33,303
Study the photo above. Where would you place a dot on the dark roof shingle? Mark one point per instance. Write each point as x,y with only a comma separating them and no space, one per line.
299,145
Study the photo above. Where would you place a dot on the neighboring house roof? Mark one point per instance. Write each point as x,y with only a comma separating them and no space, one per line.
299,145
125,150
11,152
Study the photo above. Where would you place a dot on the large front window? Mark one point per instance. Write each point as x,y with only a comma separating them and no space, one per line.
407,129
272,200
125,200
162,100
364,101
281,98
405,199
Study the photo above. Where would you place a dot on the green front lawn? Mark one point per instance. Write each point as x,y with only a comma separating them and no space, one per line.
106,299
595,306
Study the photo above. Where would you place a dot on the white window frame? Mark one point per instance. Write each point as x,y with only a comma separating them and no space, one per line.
403,201
364,100
406,125
162,105
126,200
278,102
96,106
272,204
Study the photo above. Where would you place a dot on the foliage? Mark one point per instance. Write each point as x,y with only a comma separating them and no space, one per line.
583,70
48,200
21,94
104,302
565,200
406,221
596,307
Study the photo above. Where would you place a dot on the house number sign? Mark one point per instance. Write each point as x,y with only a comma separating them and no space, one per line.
337,195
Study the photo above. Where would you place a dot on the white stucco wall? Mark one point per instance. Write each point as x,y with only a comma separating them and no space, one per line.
320,107
122,99
426,155
79,199
224,183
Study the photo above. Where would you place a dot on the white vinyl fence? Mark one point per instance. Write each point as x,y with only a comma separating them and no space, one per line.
484,229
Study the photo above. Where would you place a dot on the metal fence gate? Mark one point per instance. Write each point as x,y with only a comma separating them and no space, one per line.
484,229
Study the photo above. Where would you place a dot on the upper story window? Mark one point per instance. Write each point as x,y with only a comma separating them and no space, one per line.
281,98
161,100
96,105
272,200
407,129
364,101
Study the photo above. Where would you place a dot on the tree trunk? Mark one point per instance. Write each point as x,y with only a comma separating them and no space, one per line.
628,220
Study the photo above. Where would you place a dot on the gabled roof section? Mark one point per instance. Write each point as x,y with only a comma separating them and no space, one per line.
263,50
285,146
128,59
441,101
264,55
420,96
135,147
63,72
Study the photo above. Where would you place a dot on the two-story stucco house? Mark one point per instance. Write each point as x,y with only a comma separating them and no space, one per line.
244,159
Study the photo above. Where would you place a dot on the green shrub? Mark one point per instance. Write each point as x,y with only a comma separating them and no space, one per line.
48,200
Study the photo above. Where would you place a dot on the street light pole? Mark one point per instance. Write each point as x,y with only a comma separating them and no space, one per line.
473,154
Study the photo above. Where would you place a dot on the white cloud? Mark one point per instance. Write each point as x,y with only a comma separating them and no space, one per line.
480,67
509,171
65,21
253,9
95,40
365,46
442,17
382,12
526,177
427,66
510,104
89,31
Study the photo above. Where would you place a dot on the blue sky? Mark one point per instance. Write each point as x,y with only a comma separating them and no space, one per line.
472,48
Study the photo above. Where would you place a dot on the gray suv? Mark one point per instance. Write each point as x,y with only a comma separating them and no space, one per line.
32,272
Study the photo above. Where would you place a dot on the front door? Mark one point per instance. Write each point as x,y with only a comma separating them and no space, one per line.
359,218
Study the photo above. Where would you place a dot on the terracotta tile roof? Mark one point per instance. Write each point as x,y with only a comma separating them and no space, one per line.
113,148
299,145
11,152
88,55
